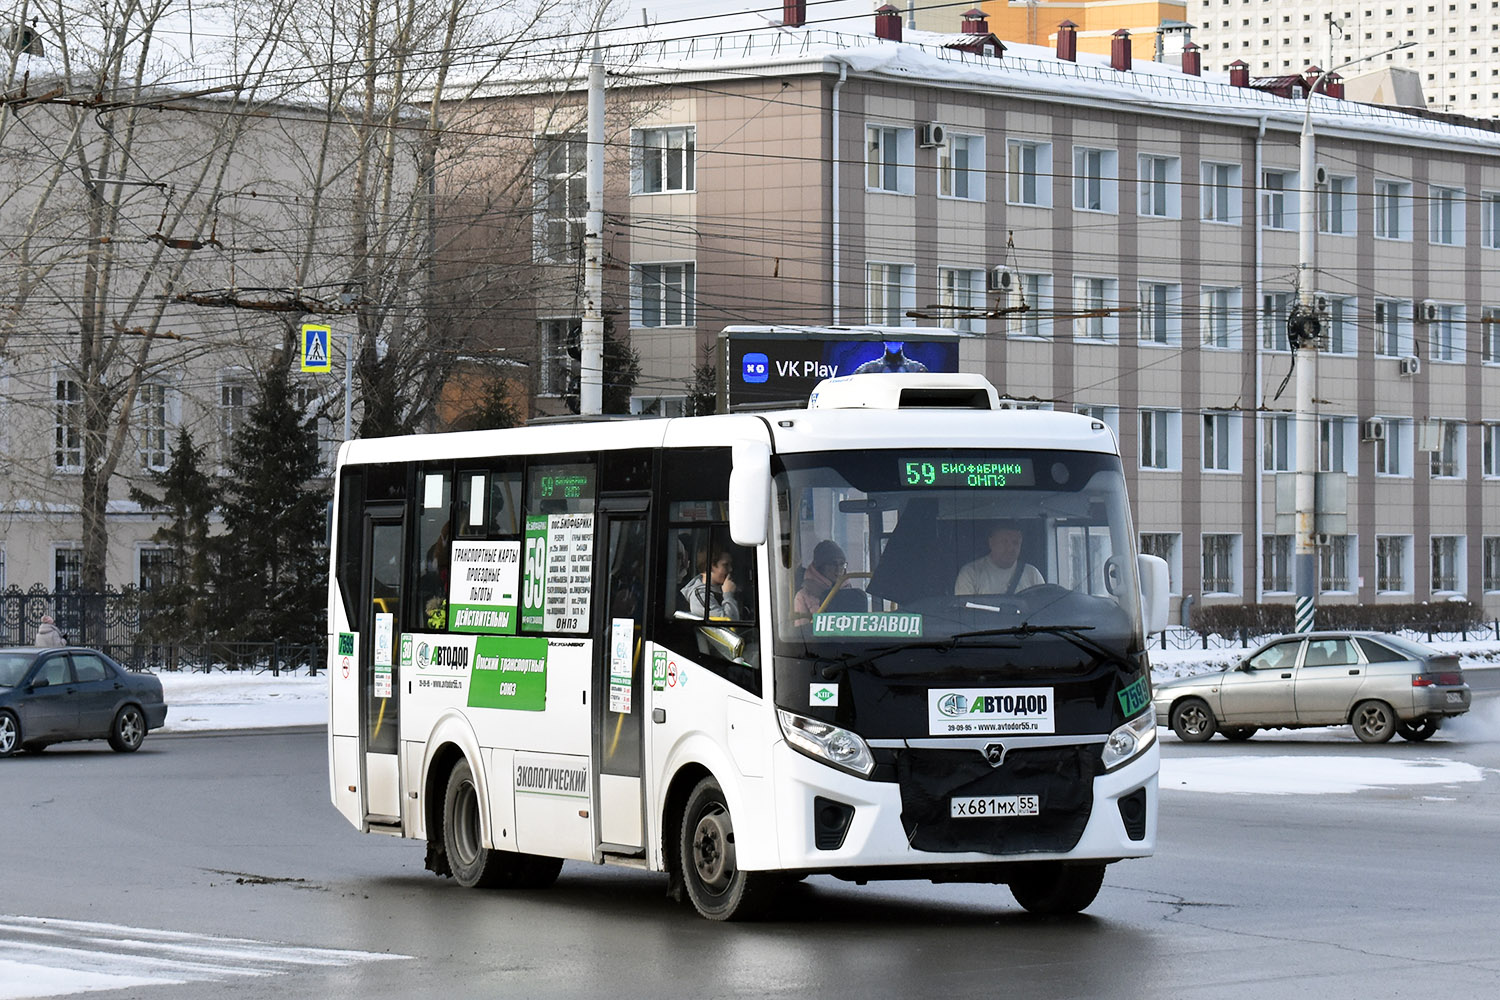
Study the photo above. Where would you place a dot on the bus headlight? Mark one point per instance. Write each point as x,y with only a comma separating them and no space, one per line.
827,743
1130,739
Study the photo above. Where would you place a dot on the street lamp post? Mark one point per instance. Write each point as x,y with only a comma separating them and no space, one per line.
1303,330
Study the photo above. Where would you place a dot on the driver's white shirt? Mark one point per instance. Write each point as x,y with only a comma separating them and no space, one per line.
982,576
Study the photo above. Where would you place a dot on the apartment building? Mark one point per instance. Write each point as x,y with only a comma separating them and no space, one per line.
1145,215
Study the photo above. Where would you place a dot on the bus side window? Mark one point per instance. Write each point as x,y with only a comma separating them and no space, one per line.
434,542
489,504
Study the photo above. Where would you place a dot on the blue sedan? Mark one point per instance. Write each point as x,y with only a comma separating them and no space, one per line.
51,695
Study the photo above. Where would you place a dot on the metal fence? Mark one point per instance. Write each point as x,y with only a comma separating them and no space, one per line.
113,622
1182,637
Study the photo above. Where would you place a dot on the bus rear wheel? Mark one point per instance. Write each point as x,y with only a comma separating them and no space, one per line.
474,865
718,887
1051,888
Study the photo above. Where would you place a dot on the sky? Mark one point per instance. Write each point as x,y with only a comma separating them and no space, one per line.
221,701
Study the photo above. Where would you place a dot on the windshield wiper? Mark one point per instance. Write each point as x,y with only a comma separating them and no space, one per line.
1073,633
851,661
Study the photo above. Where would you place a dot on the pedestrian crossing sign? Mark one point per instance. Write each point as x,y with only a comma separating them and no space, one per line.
315,349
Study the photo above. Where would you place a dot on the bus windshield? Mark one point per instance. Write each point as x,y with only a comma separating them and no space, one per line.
926,546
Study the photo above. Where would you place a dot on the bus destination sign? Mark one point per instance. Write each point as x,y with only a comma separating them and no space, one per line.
966,472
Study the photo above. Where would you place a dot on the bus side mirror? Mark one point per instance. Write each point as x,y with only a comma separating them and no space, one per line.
1155,596
750,492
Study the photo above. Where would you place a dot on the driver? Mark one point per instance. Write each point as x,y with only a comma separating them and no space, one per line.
1001,571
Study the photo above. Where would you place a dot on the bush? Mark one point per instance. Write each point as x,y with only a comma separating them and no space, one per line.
1241,620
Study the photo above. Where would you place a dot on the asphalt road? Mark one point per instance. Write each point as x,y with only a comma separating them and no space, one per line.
216,863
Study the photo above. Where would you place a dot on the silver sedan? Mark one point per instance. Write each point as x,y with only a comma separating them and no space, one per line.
1379,684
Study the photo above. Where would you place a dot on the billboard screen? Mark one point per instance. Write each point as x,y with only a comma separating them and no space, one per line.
784,369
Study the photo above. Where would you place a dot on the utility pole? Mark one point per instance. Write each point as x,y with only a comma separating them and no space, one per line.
591,336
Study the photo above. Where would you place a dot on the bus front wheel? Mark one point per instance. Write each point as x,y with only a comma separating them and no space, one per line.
474,865
1051,888
718,887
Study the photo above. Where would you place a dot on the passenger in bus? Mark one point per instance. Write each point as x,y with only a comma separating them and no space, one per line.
826,569
1001,571
713,588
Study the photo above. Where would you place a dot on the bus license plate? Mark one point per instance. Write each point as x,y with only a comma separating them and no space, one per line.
982,806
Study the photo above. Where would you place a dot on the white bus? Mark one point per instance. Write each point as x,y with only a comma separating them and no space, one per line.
746,648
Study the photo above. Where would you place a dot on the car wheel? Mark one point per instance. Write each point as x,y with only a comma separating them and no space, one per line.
1193,721
476,866
1418,729
1052,888
1373,722
1239,734
718,888
10,734
128,730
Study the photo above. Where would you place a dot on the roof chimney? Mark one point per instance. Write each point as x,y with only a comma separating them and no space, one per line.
888,23
1333,86
1192,59
1239,73
793,13
1119,50
976,22
1067,41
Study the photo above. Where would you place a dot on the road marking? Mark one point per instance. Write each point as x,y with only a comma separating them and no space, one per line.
42,957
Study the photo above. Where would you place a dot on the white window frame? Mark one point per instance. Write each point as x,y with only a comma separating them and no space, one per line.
1393,453
1225,546
67,425
1393,210
1279,205
1221,441
1446,461
890,293
1336,206
961,167
155,419
961,293
1489,565
1445,215
1446,334
1449,563
1036,322
1159,322
1159,184
1489,450
1278,435
1274,309
1160,440
1028,171
236,395
1489,220
890,159
664,294
1221,317
554,373
142,550
1096,180
1276,563
1393,564
1338,571
1109,416
664,160
1336,443
1489,335
1222,195
561,196
1343,325
1391,325
1167,546
1097,294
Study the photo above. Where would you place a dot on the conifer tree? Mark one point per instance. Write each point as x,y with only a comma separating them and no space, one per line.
178,609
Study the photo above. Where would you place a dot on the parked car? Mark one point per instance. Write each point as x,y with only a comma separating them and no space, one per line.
51,695
1379,684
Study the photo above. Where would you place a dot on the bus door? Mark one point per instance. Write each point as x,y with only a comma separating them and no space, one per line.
379,628
617,686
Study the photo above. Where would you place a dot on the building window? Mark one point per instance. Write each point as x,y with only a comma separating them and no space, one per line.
67,426
1161,439
562,195
1335,444
315,403
1491,563
155,567
1490,450
1221,441
665,160
1391,557
1221,193
1342,336
1160,186
1393,210
666,294
1447,459
1274,307
1276,563
1445,216
1333,563
1166,546
1393,332
1276,210
1447,564
1445,334
555,376
1096,180
1489,220
1161,313
1489,335
1336,206
1278,442
1393,450
890,293
890,159
1109,416
152,425
67,568
1221,308
1029,173
1034,292
960,296
1221,564
961,167
234,407
1094,299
